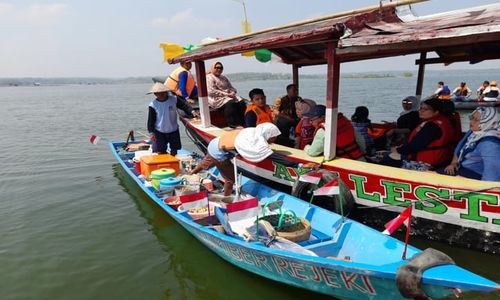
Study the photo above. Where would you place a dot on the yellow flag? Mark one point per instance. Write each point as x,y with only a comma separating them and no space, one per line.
245,26
171,50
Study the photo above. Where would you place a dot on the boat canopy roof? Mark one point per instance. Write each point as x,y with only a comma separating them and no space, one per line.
471,34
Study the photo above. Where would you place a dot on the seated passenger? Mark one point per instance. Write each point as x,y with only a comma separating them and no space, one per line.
347,146
490,93
304,131
430,142
476,155
481,89
286,115
461,93
222,95
258,111
442,92
407,121
361,124
182,83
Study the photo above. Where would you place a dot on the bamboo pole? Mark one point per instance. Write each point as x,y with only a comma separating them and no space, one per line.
336,15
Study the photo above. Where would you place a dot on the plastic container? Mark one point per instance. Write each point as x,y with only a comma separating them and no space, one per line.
200,213
186,189
208,184
160,174
168,184
173,201
149,163
141,153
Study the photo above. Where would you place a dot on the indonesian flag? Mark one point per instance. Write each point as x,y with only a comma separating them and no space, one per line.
311,177
402,218
242,210
94,139
195,200
330,188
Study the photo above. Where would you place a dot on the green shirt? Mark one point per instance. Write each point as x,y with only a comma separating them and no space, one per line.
317,145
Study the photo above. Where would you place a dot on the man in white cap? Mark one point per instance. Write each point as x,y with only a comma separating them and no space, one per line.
162,119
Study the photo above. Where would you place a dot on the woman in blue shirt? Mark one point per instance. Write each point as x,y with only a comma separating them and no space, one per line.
477,154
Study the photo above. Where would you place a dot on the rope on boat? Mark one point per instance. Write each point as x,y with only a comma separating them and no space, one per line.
450,197
195,141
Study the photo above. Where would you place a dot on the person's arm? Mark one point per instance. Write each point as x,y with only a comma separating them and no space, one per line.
491,164
318,144
183,105
469,93
424,137
183,76
250,119
151,122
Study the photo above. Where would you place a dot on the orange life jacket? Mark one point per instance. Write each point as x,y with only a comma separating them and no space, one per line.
346,139
439,151
172,81
226,141
263,116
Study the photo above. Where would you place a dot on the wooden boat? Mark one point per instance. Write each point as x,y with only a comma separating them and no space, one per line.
471,105
456,210
344,259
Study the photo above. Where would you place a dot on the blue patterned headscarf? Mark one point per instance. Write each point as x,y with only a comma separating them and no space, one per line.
489,125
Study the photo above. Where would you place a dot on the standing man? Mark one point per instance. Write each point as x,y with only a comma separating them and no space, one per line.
286,115
182,83
162,119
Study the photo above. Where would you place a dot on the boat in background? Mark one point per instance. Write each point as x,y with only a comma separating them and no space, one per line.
341,258
471,105
455,210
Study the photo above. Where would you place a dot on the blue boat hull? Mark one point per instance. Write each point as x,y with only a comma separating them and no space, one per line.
361,278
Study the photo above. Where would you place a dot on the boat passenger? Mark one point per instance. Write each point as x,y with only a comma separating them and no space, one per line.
286,115
407,121
258,111
442,92
491,92
252,144
304,131
162,119
361,124
182,82
461,93
476,155
222,95
430,143
481,89
347,140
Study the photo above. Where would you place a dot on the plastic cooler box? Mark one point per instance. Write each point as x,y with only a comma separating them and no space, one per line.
150,163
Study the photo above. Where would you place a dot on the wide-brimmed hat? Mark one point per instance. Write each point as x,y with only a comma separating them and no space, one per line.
318,111
158,88
493,83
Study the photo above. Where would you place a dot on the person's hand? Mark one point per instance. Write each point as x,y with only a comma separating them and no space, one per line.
232,94
311,165
152,137
190,101
196,114
451,169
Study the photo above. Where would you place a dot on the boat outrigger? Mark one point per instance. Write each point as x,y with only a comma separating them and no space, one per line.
340,257
456,210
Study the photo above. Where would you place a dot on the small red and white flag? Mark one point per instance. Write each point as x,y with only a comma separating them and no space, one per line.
311,177
330,188
195,200
402,218
242,210
94,139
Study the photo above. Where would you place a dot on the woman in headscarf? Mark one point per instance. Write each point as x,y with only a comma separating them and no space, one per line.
252,144
222,95
304,131
407,121
477,154
361,124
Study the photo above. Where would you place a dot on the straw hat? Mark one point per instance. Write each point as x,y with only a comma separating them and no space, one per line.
158,88
493,83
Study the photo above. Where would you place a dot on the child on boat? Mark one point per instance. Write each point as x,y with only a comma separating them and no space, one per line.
304,131
162,119
258,111
361,124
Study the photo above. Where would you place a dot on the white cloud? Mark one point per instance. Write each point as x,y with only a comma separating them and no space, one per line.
36,14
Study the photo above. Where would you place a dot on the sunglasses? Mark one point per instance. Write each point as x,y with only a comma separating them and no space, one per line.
407,102
219,68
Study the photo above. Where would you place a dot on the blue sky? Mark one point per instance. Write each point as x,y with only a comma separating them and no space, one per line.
111,38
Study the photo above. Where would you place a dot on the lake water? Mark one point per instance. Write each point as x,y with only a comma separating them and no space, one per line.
73,226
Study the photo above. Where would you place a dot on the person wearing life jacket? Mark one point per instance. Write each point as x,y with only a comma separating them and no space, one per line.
443,92
431,142
182,83
258,111
461,93
481,89
491,92
347,146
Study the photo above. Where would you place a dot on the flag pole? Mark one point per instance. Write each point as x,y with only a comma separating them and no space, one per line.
407,232
236,179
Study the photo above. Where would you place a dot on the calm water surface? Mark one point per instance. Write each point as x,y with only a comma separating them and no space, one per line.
73,226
